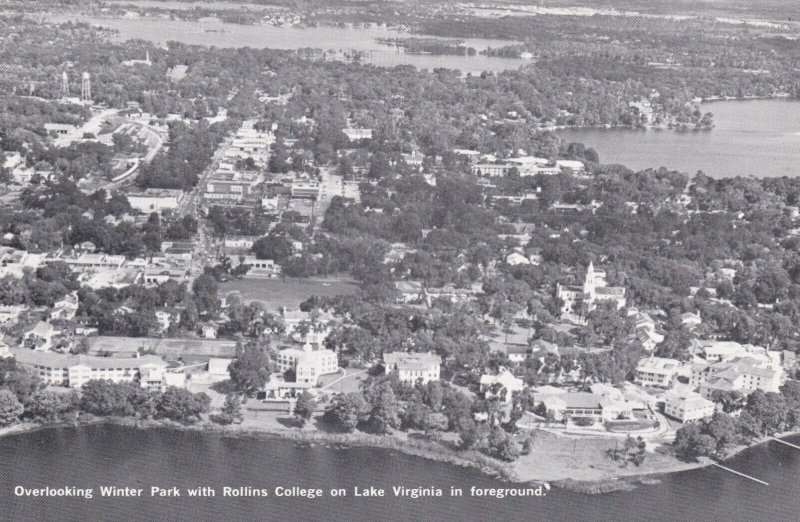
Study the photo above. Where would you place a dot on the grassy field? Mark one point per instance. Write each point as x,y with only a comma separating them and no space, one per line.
288,292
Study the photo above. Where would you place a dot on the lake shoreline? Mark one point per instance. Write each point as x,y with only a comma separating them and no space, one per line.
426,449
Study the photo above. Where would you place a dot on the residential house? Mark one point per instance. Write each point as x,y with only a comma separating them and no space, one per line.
502,386
65,308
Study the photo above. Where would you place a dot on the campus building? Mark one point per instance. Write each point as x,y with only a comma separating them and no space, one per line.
411,367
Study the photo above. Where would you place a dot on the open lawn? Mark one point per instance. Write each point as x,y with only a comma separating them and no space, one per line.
189,351
289,292
585,459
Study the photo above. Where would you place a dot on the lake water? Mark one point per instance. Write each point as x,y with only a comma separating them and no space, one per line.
126,457
213,32
752,138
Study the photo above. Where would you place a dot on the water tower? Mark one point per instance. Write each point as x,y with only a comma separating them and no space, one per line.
86,87
64,83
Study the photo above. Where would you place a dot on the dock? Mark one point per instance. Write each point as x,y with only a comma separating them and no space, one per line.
795,446
739,473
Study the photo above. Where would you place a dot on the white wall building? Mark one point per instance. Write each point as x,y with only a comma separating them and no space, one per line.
308,365
412,367
687,407
73,371
155,200
656,371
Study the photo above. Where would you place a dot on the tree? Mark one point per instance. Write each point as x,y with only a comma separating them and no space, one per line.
182,405
104,398
384,415
18,380
346,411
49,405
502,446
468,432
231,409
722,429
690,443
769,410
304,407
250,370
10,408
527,446
205,292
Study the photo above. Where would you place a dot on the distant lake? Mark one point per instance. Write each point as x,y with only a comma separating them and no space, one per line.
126,457
213,32
752,138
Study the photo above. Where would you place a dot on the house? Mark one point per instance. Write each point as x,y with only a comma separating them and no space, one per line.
656,371
516,258
408,292
687,406
5,350
40,336
502,386
413,367
308,365
73,371
65,308
13,262
691,319
305,327
10,313
208,330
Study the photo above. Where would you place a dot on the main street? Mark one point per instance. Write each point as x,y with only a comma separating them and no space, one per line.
205,248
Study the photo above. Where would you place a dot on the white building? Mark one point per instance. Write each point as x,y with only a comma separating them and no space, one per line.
308,365
688,406
502,386
73,371
413,367
155,200
595,289
744,375
356,134
656,371
243,242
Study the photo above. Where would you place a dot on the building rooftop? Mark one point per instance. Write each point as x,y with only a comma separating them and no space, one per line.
411,361
60,360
